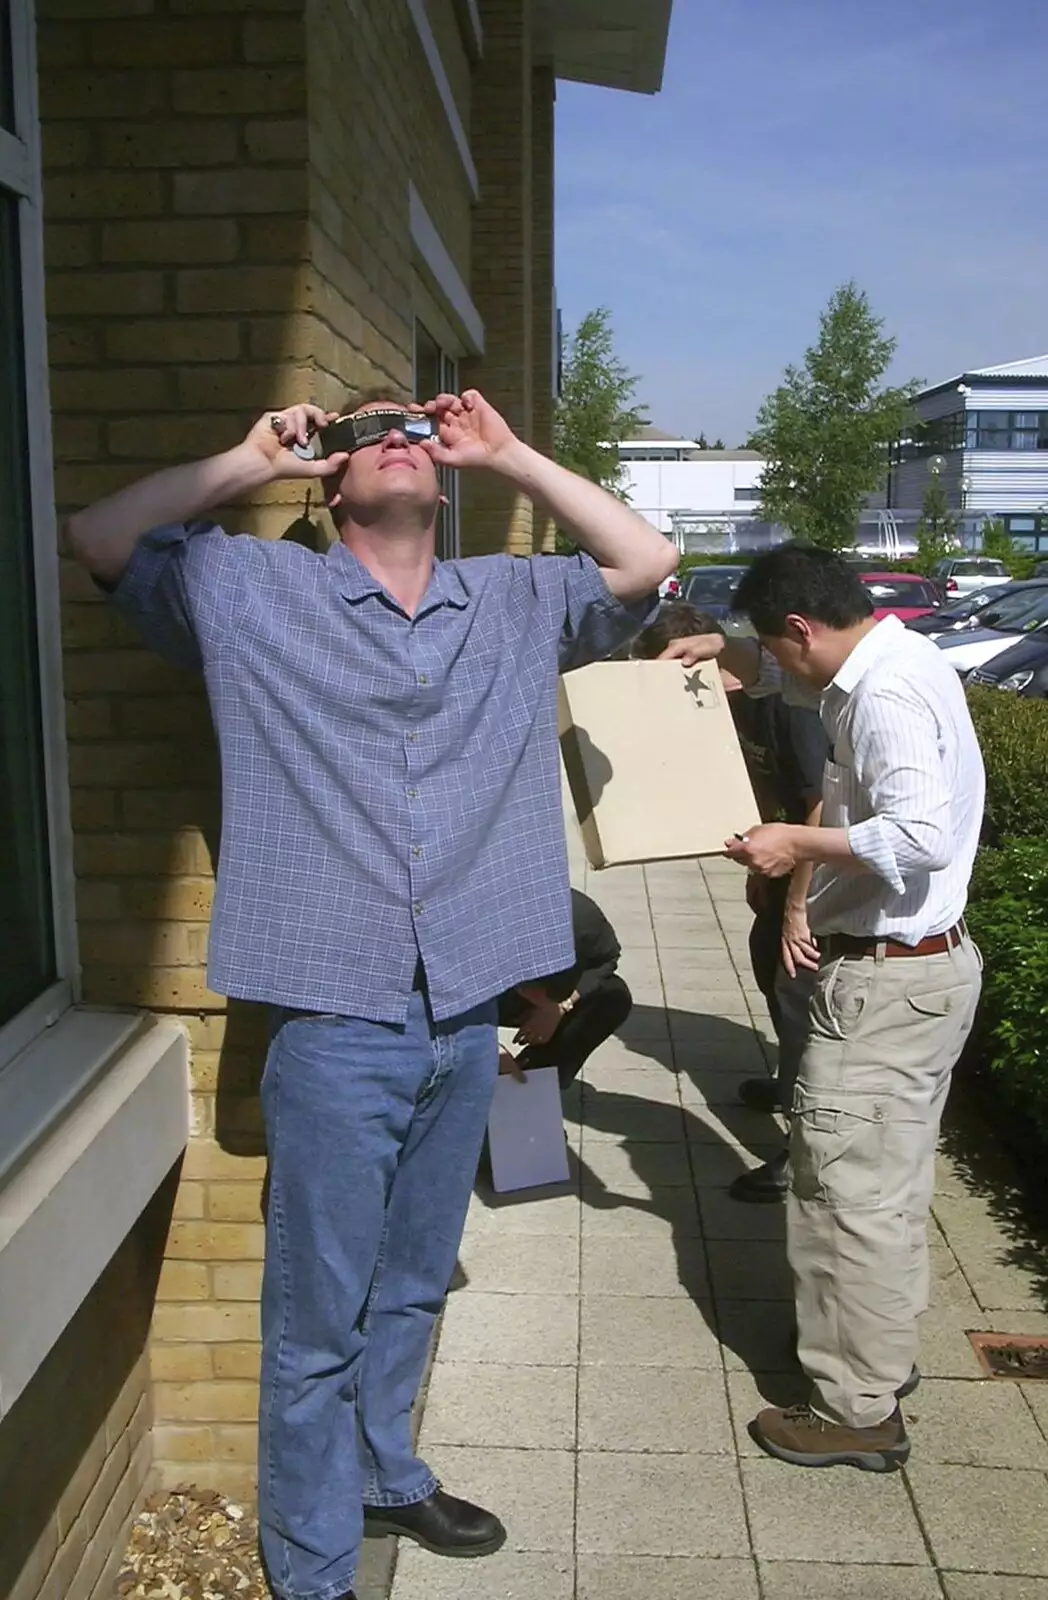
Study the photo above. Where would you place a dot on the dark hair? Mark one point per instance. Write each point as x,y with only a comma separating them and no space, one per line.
373,395
800,580
677,620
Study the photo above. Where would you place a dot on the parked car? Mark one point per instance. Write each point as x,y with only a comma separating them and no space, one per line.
959,614
998,627
901,594
711,588
1022,668
964,574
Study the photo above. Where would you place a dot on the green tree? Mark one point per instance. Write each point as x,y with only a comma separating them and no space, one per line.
596,408
718,444
997,542
826,429
937,530
702,442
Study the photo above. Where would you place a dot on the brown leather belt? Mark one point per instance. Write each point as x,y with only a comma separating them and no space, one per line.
853,947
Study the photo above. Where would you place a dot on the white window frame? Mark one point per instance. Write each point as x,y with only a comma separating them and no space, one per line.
21,175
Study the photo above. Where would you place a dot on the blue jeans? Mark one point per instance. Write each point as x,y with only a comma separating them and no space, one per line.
374,1132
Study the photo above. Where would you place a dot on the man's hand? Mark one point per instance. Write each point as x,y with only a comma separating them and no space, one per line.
273,436
540,1023
770,849
509,1067
103,536
698,647
799,950
472,434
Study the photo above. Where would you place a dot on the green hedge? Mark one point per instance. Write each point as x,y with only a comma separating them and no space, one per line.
1013,734
1008,907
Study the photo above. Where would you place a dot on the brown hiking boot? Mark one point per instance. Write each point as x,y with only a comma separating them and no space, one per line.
804,1439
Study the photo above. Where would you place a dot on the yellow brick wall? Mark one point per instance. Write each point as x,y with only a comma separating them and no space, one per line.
502,280
75,1449
227,228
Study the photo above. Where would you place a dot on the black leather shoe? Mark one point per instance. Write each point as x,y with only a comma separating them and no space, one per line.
764,1185
760,1094
441,1524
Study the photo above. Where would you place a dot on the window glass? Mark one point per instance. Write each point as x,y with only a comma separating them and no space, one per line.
1018,609
26,930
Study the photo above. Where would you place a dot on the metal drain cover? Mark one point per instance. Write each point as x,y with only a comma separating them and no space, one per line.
1020,1356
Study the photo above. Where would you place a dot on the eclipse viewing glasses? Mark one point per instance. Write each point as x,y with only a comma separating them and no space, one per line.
352,433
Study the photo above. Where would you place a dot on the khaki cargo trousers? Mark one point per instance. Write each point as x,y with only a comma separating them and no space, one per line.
885,1035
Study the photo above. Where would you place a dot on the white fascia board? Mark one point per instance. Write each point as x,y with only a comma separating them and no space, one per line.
431,51
434,253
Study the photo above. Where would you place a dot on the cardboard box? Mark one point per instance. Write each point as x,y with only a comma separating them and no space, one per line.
652,761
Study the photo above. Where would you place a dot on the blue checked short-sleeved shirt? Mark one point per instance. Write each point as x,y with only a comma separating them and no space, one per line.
390,784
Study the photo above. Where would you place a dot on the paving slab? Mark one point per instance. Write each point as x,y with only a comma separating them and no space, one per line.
725,1218
632,1266
524,1575
669,1332
993,1586
539,1330
622,1577
520,1263
655,1085
556,1212
812,1580
837,1514
660,1505
665,1410
756,1270
610,1114
757,1335
974,1424
983,1519
671,1213
481,1404
634,1168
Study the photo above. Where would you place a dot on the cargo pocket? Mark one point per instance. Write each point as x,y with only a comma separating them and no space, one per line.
837,1148
940,1002
839,997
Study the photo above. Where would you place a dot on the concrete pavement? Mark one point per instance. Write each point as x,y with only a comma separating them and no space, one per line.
596,1371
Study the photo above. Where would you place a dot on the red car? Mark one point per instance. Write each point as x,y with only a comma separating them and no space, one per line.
901,594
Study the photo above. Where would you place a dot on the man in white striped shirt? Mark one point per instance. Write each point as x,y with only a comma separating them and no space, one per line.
895,997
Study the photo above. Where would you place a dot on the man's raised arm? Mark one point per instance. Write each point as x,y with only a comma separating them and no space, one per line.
103,536
633,556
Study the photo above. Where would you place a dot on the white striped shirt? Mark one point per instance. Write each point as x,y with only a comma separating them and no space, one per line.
905,778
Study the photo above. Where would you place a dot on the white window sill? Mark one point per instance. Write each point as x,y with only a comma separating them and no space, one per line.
76,1195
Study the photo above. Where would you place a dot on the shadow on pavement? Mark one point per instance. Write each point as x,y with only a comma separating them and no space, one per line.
999,1160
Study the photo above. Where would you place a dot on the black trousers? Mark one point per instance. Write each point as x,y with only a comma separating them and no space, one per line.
594,1018
766,942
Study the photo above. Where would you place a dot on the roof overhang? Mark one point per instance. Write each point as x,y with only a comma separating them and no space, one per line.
617,44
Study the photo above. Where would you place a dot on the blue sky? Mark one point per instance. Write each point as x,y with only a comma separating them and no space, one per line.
795,144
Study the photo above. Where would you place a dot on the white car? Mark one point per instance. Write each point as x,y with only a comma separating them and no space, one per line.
960,575
998,626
